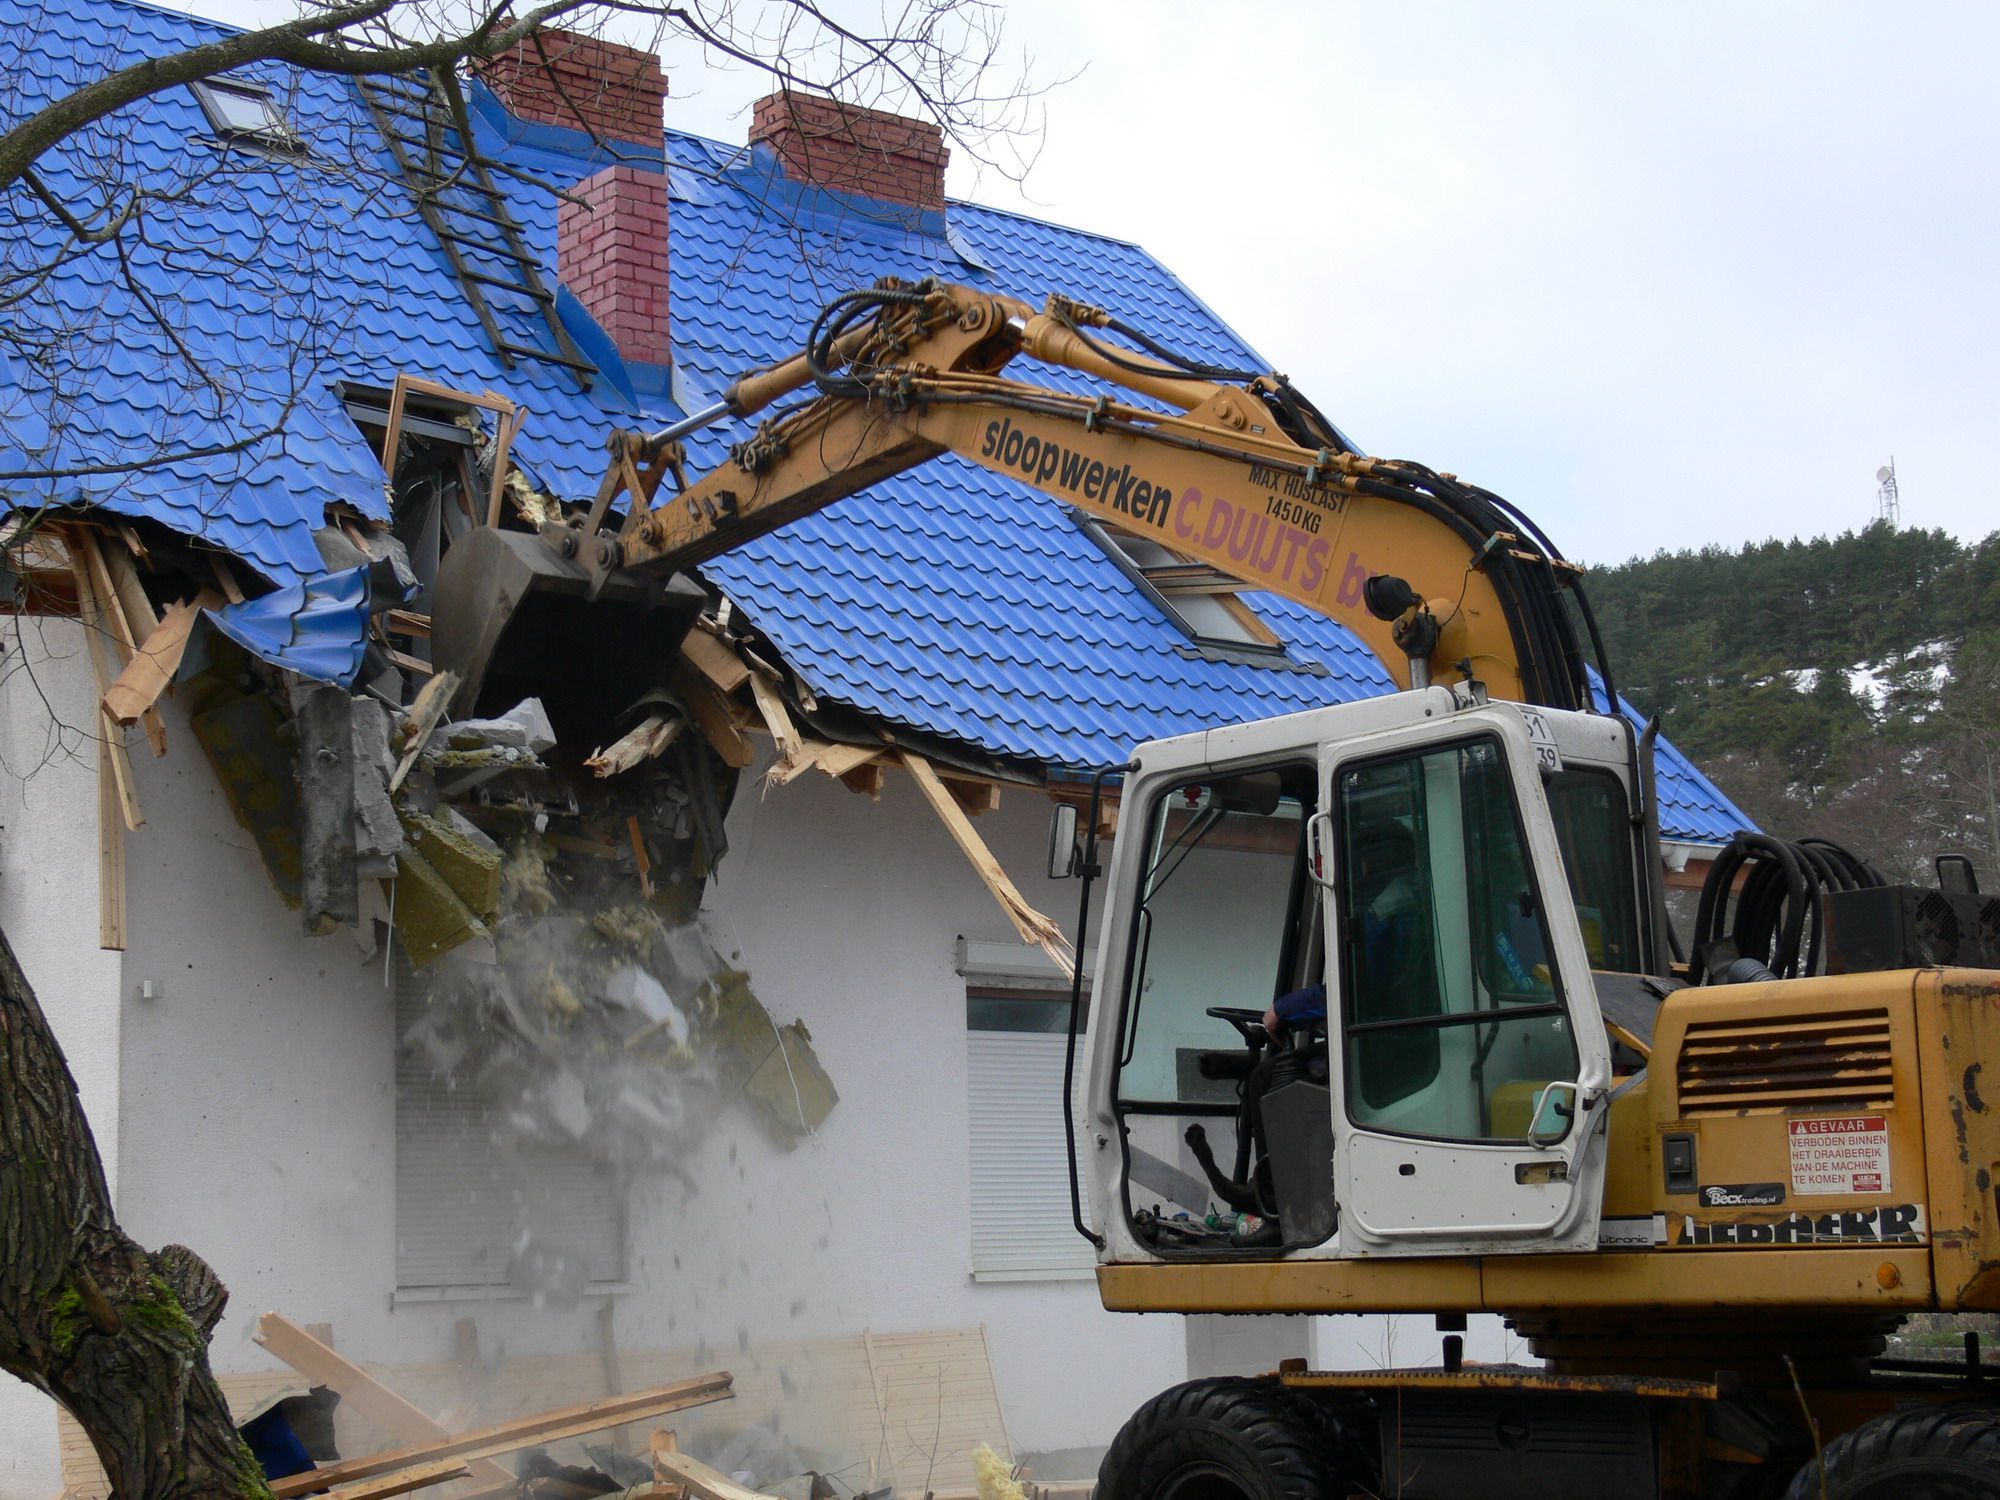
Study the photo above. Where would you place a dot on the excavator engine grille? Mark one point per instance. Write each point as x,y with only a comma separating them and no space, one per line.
1799,1062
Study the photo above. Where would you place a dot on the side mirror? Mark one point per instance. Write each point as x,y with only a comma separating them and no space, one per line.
1064,856
1554,1114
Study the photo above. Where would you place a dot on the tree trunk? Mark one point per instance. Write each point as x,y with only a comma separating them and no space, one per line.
118,1336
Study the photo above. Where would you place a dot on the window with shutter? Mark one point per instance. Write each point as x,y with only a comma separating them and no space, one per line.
1021,1229
476,1215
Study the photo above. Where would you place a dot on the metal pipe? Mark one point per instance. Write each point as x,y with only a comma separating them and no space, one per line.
708,416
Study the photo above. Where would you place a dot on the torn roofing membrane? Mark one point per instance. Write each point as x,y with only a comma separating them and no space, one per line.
948,598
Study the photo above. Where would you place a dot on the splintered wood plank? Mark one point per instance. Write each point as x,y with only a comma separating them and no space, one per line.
1034,927
772,708
153,665
835,760
112,737
523,1432
423,1476
361,1392
110,858
698,1479
715,661
710,709
433,699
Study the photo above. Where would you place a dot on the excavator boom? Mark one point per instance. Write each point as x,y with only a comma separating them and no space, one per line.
1232,480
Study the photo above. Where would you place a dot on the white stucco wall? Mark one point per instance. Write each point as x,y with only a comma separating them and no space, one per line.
48,909
253,1116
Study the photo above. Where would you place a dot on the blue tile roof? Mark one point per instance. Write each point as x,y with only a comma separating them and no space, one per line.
948,598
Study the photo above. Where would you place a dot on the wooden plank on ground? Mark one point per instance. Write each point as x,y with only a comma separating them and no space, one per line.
361,1392
1034,928
700,1481
523,1432
423,1476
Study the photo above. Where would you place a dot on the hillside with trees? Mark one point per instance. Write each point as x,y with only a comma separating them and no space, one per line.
1846,685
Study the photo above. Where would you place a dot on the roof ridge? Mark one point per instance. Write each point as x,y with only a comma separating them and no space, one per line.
985,208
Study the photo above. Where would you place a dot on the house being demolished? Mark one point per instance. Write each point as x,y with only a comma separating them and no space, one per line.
665,975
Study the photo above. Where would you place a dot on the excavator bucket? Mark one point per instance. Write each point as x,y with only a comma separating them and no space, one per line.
514,619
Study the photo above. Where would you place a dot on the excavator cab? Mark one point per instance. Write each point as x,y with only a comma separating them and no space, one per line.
1448,1096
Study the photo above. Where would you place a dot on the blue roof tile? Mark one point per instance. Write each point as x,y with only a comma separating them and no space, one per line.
948,598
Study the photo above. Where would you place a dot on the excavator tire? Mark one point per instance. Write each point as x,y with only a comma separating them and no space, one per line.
1933,1453
1231,1439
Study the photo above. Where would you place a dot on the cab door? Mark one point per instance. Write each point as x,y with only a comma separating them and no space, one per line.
1470,1061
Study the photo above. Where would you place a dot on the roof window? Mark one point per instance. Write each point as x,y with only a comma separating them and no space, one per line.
1201,600
246,114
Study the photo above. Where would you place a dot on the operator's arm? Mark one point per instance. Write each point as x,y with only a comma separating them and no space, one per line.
1308,1004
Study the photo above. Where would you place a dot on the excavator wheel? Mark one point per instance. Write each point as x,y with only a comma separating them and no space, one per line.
1932,1453
1232,1439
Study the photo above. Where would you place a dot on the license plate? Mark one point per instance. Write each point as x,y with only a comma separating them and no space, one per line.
1542,735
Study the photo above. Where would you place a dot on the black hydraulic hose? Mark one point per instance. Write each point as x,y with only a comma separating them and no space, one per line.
1780,908
1076,998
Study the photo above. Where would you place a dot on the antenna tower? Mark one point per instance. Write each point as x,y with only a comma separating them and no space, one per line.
1888,503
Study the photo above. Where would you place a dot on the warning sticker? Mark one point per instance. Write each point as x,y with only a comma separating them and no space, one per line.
1840,1154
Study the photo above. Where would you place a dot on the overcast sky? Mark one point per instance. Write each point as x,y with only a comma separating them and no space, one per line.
1664,276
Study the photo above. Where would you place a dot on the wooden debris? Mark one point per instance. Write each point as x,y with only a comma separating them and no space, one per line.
402,1481
835,760
139,611
111,736
95,580
715,661
522,1432
225,577
110,859
361,1392
771,708
710,708
663,1446
866,779
153,665
1034,928
676,1473
639,854
648,738
406,622
974,797
425,716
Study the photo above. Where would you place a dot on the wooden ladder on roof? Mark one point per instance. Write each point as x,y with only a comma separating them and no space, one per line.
454,191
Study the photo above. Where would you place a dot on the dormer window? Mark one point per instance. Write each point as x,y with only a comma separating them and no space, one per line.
247,114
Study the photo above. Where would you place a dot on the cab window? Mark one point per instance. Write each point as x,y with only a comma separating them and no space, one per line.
1222,905
1452,1012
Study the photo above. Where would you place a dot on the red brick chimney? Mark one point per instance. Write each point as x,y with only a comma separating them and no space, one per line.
581,83
853,150
613,256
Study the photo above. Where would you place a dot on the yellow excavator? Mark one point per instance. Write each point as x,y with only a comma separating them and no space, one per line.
1414,952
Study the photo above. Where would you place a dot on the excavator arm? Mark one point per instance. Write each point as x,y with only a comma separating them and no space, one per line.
1438,578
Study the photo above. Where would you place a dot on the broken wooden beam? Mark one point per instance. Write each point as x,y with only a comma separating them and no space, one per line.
1044,932
696,1479
433,699
637,745
715,661
153,665
709,707
362,1393
423,1476
522,1432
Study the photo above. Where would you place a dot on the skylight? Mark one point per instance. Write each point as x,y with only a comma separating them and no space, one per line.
246,113
1199,599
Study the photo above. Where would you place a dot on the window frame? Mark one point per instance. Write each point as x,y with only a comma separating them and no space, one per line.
1557,1007
1263,642
279,136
